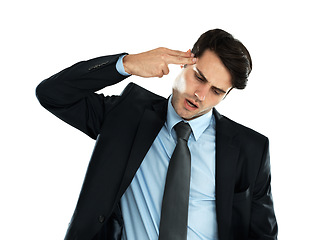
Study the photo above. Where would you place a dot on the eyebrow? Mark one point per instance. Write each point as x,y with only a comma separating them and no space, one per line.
202,75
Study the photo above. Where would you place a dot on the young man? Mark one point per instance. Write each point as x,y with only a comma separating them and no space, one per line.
228,192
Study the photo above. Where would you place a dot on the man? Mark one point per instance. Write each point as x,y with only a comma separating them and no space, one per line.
125,191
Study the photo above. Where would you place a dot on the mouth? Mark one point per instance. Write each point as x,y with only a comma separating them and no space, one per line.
190,105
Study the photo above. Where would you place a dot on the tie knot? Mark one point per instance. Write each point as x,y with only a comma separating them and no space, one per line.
183,130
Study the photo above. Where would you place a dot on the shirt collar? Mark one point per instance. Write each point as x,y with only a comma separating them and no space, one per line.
198,125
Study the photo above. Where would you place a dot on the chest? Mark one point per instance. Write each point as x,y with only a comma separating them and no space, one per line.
153,170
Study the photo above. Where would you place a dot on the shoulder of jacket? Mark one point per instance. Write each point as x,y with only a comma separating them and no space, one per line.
140,92
248,133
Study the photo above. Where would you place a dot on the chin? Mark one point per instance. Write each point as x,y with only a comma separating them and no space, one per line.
188,116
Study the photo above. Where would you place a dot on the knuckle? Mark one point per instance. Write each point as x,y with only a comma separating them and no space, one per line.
164,56
160,73
162,65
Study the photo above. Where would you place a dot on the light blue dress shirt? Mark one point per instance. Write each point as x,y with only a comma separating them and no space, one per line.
141,203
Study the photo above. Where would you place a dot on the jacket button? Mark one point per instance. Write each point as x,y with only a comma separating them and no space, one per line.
101,218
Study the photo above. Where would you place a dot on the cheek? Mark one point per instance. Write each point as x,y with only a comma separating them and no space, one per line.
179,84
213,100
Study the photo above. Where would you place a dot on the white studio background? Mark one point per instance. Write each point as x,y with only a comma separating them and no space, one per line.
43,160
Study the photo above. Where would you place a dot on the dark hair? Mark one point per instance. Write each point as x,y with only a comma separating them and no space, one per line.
231,51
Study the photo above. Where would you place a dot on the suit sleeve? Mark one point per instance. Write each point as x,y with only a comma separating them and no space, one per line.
263,223
70,94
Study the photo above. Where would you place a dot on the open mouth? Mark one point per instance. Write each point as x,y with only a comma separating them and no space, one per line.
190,104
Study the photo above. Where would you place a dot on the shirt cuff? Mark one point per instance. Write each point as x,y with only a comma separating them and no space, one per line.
120,68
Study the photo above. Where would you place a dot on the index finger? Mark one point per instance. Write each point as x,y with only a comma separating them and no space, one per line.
170,59
178,53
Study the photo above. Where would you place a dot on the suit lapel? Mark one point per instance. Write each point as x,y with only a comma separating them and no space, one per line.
148,129
227,151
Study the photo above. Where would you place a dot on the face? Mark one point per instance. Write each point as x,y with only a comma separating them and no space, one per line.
200,87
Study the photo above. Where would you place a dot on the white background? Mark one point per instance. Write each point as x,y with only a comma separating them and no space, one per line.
43,160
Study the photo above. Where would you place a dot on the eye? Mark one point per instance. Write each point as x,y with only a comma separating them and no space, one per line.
199,78
215,91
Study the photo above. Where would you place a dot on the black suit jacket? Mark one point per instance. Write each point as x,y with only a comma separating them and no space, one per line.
244,205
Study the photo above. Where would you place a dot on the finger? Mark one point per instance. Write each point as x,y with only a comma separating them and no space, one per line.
178,53
192,54
165,70
180,60
160,75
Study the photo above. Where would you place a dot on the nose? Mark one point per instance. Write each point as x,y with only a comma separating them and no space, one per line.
202,91
201,97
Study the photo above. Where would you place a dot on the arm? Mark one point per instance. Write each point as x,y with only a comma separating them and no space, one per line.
70,94
155,63
263,223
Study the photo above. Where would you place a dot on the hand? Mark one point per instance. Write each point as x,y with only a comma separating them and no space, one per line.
154,63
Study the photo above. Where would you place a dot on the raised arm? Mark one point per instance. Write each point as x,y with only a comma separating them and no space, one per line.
70,94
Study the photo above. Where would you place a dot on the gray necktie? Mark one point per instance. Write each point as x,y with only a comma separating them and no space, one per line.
174,211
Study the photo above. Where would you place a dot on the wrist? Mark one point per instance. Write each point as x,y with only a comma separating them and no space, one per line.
119,66
126,61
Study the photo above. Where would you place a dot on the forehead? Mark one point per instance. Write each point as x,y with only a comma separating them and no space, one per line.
213,68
